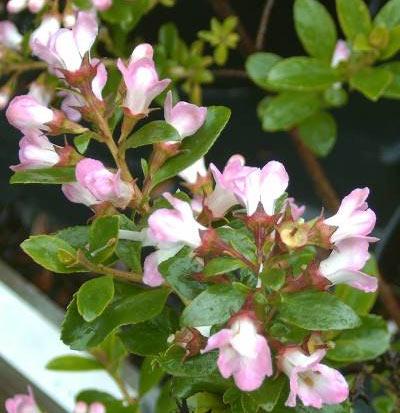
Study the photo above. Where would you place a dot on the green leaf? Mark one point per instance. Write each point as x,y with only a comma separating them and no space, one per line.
393,45
196,146
166,403
111,404
51,253
317,311
152,132
273,278
222,265
94,296
56,175
77,237
371,82
103,237
267,396
354,17
81,142
204,402
130,305
318,132
113,351
73,363
315,28
130,252
258,66
213,306
389,14
288,109
150,337
125,13
302,74
150,375
183,388
393,90
366,342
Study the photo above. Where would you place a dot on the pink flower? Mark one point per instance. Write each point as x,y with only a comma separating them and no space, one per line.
103,184
344,263
50,24
354,218
100,80
151,275
102,4
185,117
66,48
243,354
192,172
10,37
71,104
141,80
34,6
296,210
96,407
342,53
26,113
41,93
315,384
22,403
78,194
36,151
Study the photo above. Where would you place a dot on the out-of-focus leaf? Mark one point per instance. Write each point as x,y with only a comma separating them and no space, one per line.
258,66
371,82
73,363
354,17
56,175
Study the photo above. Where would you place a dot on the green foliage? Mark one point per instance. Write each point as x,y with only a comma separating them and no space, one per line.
73,363
150,375
126,14
354,17
222,265
258,66
103,238
372,82
82,141
59,175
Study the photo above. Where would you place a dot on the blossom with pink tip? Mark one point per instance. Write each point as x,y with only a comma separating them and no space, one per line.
341,53
151,275
192,172
104,185
36,151
82,407
100,79
71,104
78,194
353,218
185,117
16,6
296,210
66,48
49,25
26,114
22,403
345,262
243,354
141,80
10,37
35,6
102,4
313,383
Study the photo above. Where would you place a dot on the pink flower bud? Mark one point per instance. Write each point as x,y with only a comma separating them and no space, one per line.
26,113
342,53
78,194
185,117
141,51
141,81
9,35
15,6
22,403
35,6
296,210
49,25
80,407
315,384
103,184
243,354
71,104
151,275
97,407
100,80
102,4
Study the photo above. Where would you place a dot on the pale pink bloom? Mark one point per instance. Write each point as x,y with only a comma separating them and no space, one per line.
22,403
10,37
78,194
80,407
296,210
354,218
66,48
96,407
69,19
100,80
41,93
141,80
16,6
192,172
341,53
26,113
102,4
185,117
35,6
343,265
71,104
50,24
313,383
243,354
151,275
104,185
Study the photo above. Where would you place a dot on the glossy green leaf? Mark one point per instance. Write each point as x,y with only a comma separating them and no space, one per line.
317,311
371,82
166,402
222,265
94,296
82,141
393,45
354,17
389,14
204,402
213,306
302,74
315,28
196,146
318,132
73,363
113,350
56,175
103,237
125,13
258,66
150,375
288,109
393,90
152,132
273,278
77,237
130,305
267,396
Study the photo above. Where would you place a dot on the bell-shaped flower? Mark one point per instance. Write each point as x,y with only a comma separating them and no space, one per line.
71,104
296,210
22,403
36,151
10,37
104,185
341,53
243,354
353,218
185,117
102,4
151,275
100,79
192,172
27,114
50,24
313,383
78,194
141,80
345,262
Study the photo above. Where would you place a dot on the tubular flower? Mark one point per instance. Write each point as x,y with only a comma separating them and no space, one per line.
50,24
344,263
22,403
71,104
192,172
10,37
103,184
315,384
78,194
243,354
141,80
341,53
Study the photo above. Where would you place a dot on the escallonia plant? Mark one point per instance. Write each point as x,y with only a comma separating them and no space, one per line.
235,301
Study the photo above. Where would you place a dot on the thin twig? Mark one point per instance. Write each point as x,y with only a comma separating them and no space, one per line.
262,29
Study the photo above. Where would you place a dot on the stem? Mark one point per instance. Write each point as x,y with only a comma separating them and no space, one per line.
24,67
262,29
234,73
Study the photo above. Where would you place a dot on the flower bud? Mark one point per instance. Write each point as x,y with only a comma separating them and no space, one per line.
35,6
102,4
15,6
9,35
22,403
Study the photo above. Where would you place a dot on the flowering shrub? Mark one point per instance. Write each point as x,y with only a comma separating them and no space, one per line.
236,301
